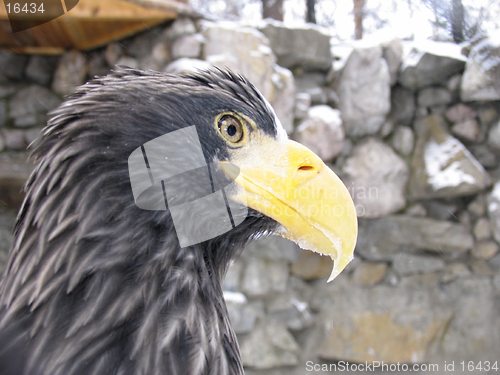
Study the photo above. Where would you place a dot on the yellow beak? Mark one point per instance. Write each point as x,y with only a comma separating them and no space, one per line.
292,185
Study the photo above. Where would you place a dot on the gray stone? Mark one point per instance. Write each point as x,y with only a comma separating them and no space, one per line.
7,220
478,206
487,114
369,273
312,83
14,170
161,52
384,238
264,276
98,66
231,282
482,229
407,264
416,209
12,65
113,53
269,345
453,85
467,335
283,96
182,26
2,142
494,136
376,177
481,79
454,271
186,65
128,62
459,113
40,69
484,155
386,128
493,205
364,92
70,73
307,46
242,314
403,140
274,248
393,54
302,105
292,310
142,44
402,105
433,96
246,51
430,63
8,89
3,113
187,46
468,130
382,323
442,166
322,132
29,106
14,139
439,210
484,250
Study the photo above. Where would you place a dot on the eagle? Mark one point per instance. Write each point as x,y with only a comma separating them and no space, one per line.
98,283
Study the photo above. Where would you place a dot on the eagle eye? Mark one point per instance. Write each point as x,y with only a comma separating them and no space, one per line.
231,128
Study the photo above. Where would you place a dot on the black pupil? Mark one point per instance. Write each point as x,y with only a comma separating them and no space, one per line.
231,130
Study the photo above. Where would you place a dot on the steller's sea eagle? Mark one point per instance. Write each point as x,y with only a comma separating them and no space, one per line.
96,284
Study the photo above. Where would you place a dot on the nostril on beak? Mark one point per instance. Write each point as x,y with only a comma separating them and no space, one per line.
306,168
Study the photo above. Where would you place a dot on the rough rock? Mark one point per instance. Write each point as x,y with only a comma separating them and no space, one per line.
311,266
403,140
141,45
70,73
14,170
29,106
433,96
384,238
302,105
478,206
430,63
12,65
484,250
242,314
243,50
454,271
468,130
307,46
113,53
459,113
453,85
291,308
393,54
3,113
322,132
182,26
246,51
273,248
407,264
484,155
494,136
187,46
98,66
368,273
264,276
482,229
283,96
8,89
364,91
186,65
383,323
442,166
161,53
481,79
376,178
7,221
493,205
488,114
269,345
40,69
402,105
312,83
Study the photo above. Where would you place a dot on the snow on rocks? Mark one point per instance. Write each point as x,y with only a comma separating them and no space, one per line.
442,166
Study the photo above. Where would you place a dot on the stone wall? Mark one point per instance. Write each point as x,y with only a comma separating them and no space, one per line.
414,132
